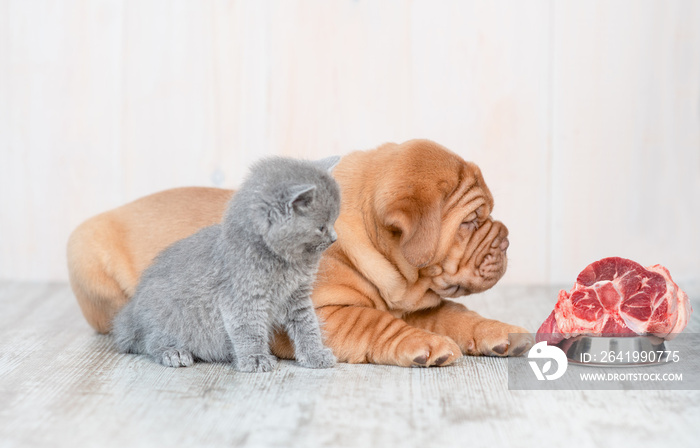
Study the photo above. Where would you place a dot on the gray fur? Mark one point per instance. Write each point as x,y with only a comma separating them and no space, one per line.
219,294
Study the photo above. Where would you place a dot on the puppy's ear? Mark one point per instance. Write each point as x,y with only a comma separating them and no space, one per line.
420,233
298,197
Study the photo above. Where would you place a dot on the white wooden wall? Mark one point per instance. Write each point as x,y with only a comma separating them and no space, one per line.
584,115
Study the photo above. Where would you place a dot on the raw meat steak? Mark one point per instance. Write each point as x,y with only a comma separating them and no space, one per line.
618,297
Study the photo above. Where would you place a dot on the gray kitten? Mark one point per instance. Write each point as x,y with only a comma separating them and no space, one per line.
218,294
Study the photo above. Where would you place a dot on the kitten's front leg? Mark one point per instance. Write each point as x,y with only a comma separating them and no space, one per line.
303,328
248,329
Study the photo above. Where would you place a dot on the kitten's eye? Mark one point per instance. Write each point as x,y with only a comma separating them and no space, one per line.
322,229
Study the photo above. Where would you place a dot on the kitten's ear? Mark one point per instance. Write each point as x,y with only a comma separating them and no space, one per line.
328,163
299,197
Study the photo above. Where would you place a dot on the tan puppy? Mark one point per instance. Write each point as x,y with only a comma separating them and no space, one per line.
414,229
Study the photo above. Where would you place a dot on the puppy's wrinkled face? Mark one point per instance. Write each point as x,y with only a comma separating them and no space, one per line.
475,261
440,217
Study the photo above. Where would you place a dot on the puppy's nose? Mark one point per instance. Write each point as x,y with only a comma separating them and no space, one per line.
504,244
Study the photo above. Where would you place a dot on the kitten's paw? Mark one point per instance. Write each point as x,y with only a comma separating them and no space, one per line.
321,359
257,363
176,358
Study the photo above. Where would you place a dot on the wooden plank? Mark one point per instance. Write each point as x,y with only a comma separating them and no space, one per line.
169,125
469,75
241,57
626,165
339,76
60,131
8,157
62,385
480,86
563,105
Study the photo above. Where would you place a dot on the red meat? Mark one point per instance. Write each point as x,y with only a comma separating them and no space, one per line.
618,297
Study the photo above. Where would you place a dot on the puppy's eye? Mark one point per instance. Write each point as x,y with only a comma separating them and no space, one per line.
471,222
470,225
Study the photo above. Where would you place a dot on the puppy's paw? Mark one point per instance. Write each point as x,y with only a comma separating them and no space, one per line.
257,363
176,358
320,359
423,349
493,338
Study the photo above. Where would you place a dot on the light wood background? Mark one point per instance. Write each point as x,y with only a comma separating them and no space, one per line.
584,115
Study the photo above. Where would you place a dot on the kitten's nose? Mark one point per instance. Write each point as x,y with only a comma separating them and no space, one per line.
332,234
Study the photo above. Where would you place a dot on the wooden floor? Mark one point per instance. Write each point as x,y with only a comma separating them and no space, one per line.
63,385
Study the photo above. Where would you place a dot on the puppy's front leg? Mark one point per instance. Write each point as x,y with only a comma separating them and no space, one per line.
475,334
368,335
303,328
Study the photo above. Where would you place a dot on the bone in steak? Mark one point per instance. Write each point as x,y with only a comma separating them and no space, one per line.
618,297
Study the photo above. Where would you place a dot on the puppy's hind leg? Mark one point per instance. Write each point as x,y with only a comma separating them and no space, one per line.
100,271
